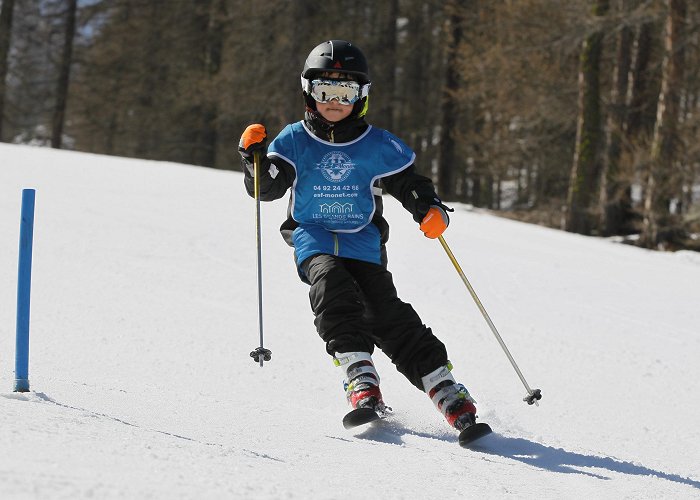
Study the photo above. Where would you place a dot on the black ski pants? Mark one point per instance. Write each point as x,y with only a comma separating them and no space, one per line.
357,307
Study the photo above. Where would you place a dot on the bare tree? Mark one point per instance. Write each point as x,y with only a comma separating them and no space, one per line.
59,113
615,191
420,64
586,169
640,97
6,11
387,42
449,108
662,179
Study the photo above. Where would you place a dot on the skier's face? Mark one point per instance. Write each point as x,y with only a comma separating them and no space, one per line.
333,111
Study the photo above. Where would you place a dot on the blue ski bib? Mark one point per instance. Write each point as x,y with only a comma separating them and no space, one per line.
332,192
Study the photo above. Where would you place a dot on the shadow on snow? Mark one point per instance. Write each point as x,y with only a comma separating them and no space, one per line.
528,452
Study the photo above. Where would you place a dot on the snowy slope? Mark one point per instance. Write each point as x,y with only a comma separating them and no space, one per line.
144,310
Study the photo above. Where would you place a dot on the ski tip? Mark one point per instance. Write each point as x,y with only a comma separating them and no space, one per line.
360,416
473,433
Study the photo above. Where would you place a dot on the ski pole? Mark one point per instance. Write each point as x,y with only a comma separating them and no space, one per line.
260,354
532,395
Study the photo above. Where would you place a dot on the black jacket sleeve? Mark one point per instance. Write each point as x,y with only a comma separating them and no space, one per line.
276,177
415,192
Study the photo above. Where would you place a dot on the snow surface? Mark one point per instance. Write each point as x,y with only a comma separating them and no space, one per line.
144,311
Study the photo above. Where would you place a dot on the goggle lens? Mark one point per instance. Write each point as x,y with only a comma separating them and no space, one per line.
345,92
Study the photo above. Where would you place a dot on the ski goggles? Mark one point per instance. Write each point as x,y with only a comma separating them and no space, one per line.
344,91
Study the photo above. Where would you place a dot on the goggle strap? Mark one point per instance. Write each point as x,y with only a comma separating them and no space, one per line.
364,90
306,85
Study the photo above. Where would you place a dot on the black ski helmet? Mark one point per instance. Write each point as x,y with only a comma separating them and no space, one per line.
338,56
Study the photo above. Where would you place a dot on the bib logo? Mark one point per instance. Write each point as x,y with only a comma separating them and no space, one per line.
336,208
336,166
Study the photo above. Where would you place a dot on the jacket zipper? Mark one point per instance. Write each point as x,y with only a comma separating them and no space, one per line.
332,139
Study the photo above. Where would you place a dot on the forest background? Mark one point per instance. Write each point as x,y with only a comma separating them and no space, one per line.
581,115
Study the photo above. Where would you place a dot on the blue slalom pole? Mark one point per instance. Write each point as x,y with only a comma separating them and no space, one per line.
24,287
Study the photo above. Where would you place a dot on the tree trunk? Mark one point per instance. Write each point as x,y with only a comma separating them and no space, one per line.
209,136
639,119
414,100
153,60
447,155
615,203
387,40
5,32
59,113
585,172
663,174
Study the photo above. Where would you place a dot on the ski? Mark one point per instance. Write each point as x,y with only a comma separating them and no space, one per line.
364,416
360,416
473,433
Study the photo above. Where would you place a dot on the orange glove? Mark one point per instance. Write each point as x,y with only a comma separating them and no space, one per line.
254,138
435,222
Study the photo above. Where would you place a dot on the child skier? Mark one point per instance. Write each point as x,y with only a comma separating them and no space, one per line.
332,161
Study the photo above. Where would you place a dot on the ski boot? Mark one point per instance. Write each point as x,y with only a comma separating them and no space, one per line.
450,398
361,381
